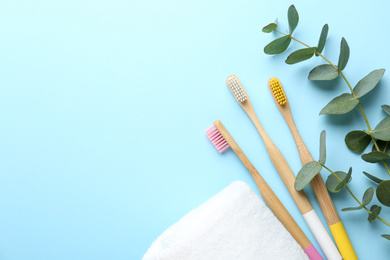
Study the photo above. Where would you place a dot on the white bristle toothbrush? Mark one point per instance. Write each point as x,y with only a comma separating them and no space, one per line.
285,172
318,185
222,140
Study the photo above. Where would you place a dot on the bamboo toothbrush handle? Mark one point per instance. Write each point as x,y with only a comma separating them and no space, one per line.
277,207
318,185
273,202
268,195
283,168
324,200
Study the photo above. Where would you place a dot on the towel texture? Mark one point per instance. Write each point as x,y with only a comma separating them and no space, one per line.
234,224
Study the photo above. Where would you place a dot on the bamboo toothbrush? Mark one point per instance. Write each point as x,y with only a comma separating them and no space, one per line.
285,173
222,140
318,185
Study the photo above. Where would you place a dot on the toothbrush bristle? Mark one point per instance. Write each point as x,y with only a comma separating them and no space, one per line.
236,87
217,139
277,90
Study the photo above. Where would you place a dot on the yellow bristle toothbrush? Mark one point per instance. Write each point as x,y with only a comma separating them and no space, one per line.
222,140
318,185
285,172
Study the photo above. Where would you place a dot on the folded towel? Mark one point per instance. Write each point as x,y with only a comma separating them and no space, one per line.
234,224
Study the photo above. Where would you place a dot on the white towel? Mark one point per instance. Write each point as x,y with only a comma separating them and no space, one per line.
234,224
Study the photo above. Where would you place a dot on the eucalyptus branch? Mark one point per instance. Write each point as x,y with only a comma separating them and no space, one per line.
353,195
349,86
357,140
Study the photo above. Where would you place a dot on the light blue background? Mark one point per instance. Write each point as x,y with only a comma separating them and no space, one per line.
103,107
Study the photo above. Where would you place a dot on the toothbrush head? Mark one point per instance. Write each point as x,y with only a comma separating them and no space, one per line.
236,88
277,90
217,139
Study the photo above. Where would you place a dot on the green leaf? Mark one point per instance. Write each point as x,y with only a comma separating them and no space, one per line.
373,178
306,174
322,40
352,208
386,108
300,55
374,157
344,55
357,140
368,83
382,130
383,193
340,105
323,72
345,180
270,27
278,46
293,18
367,198
375,210
386,236
334,184
322,148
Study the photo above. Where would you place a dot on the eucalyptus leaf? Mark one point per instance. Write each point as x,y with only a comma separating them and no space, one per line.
383,193
335,184
386,109
367,198
300,55
345,180
306,174
340,105
352,208
357,141
382,130
278,46
270,27
376,156
386,236
322,40
293,18
375,210
373,178
323,72
344,55
322,148
368,83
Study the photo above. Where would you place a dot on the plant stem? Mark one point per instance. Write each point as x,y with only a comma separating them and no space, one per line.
350,88
384,150
353,195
